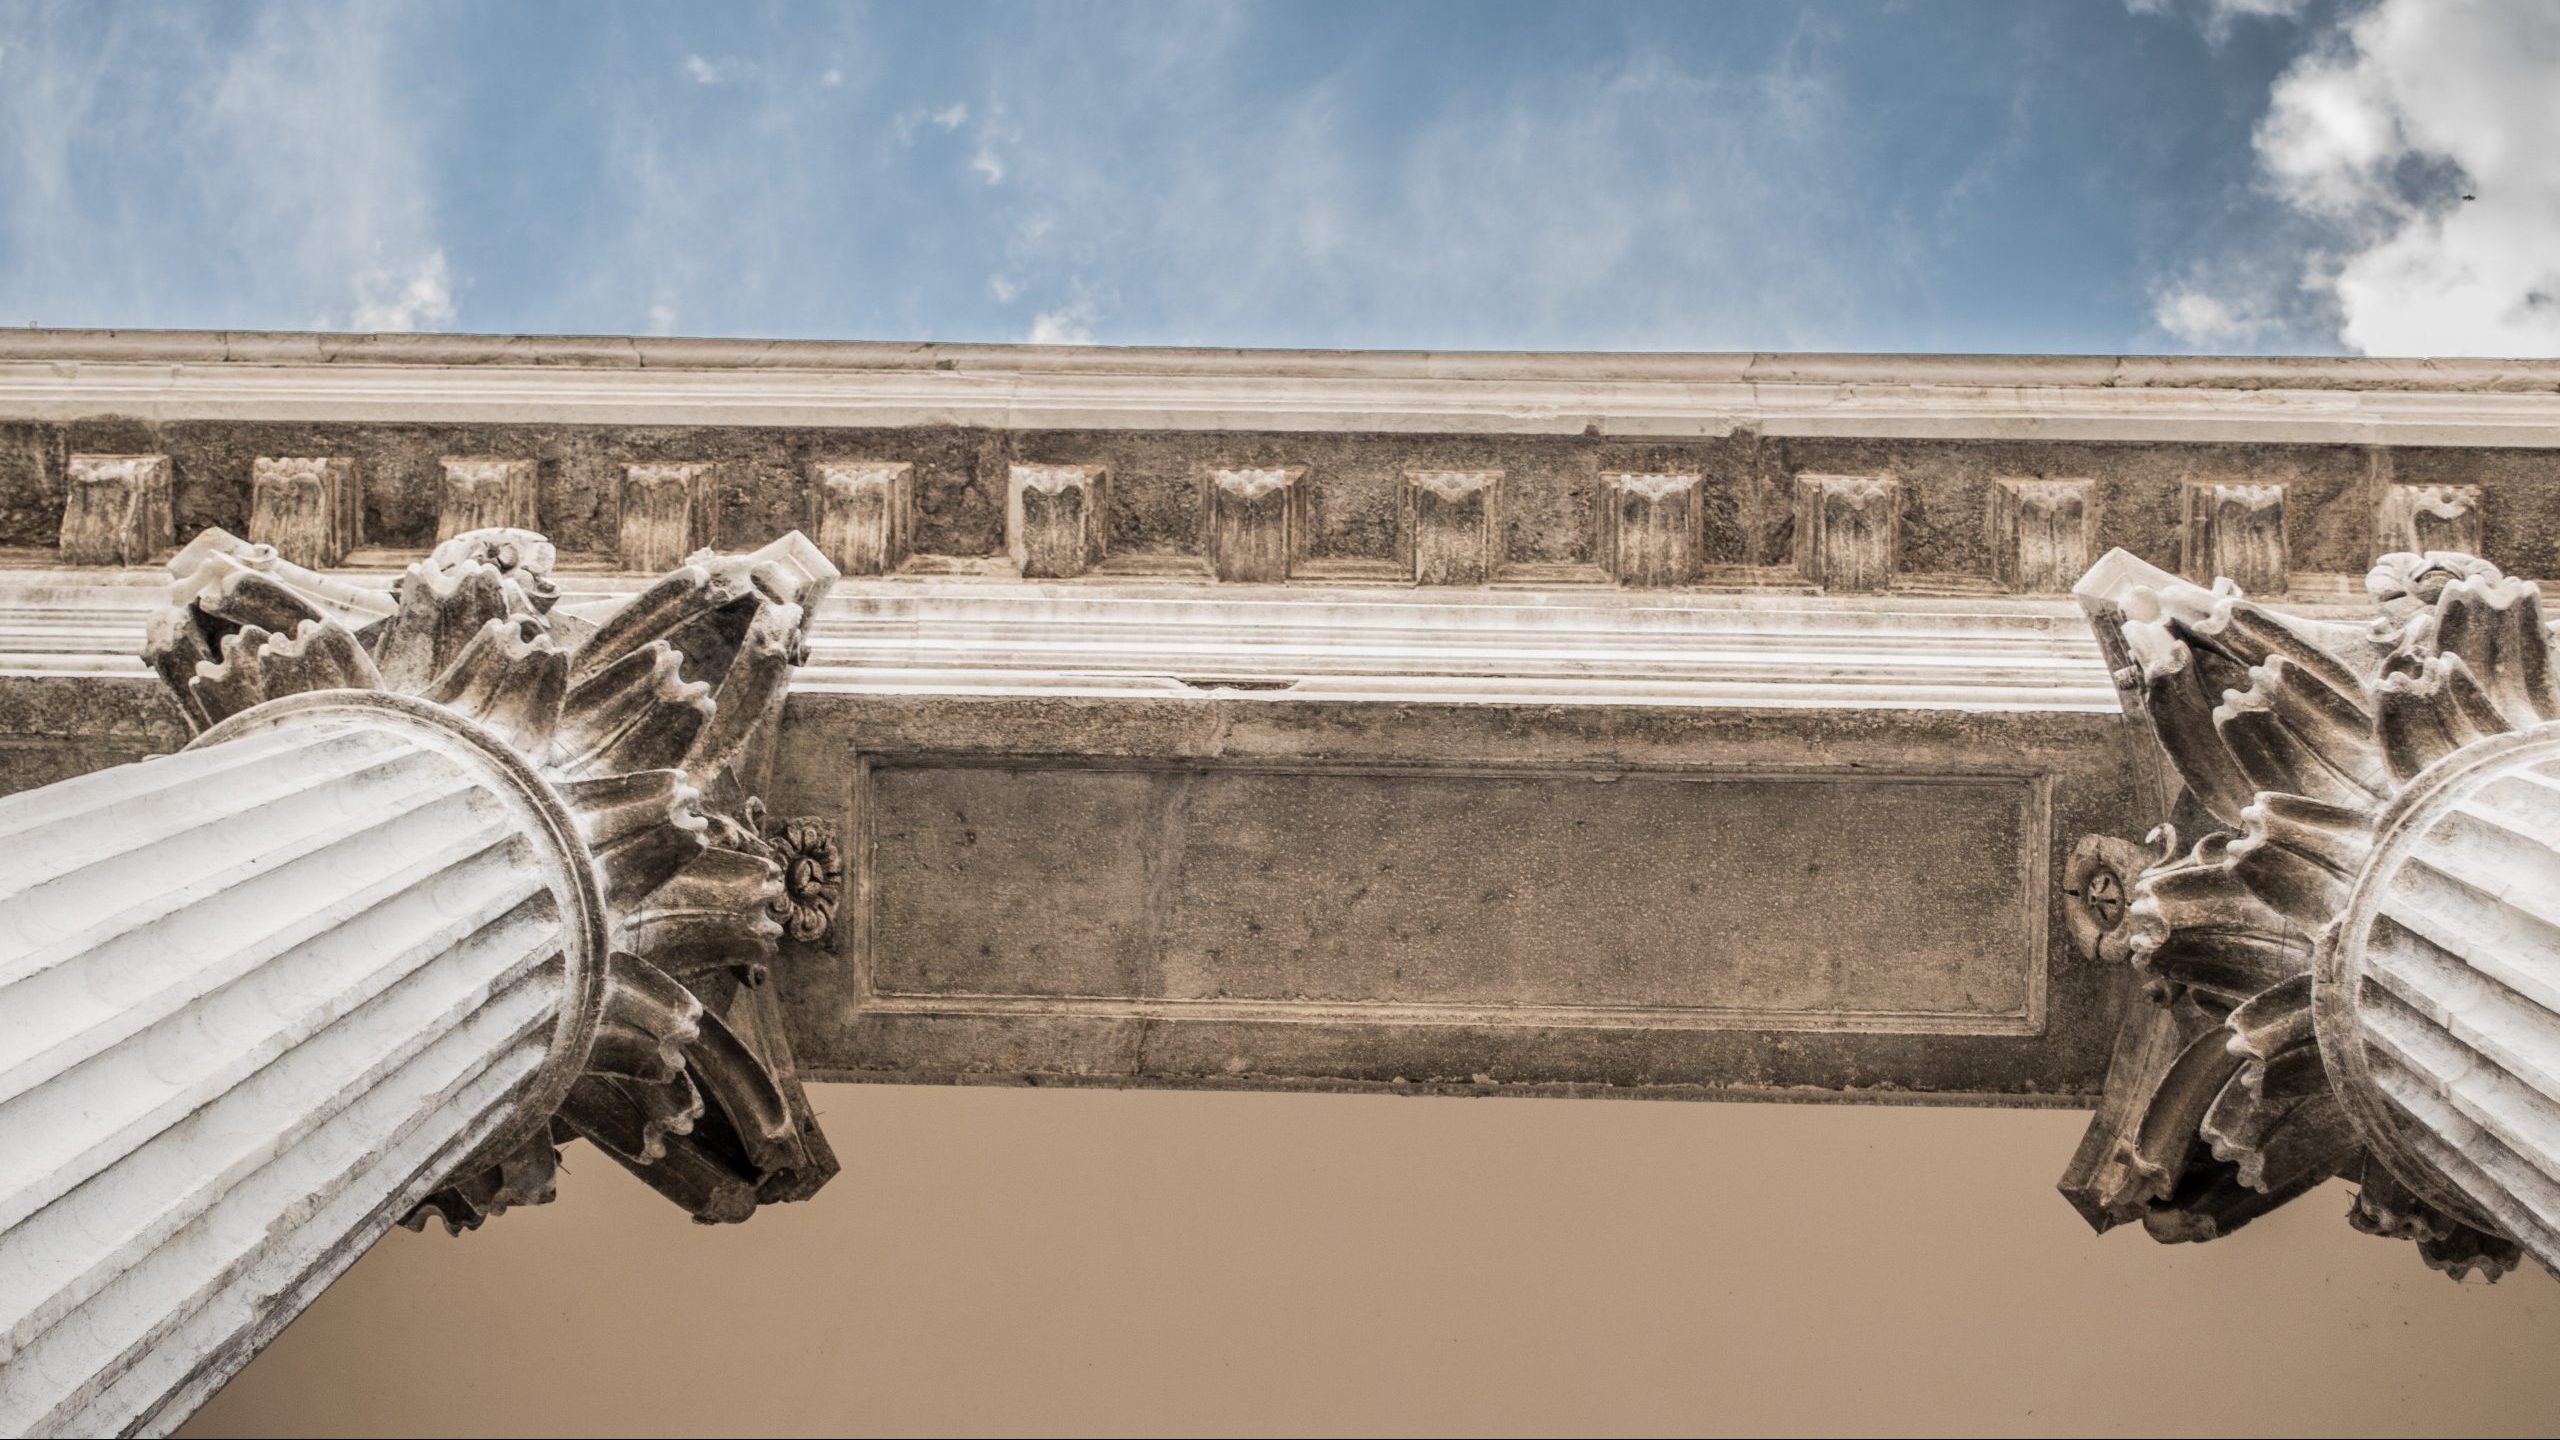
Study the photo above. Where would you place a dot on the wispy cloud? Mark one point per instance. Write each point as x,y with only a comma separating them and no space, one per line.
911,122
703,71
419,297
274,166
1621,201
1678,177
1069,324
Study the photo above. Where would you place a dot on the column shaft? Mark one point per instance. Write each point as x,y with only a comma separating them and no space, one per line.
256,1000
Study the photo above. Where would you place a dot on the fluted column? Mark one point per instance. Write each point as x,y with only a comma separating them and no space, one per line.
431,892
256,1001
2352,968
2438,996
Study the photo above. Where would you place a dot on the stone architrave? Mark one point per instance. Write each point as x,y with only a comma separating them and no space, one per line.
1652,528
863,514
117,510
438,885
489,494
1452,526
1055,519
2344,971
310,508
1256,522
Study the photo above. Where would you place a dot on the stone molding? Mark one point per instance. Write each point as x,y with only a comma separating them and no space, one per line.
314,377
1345,644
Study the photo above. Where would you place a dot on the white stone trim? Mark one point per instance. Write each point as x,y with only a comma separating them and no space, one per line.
64,375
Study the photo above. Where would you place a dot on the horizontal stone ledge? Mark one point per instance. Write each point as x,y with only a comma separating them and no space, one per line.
265,348
1953,398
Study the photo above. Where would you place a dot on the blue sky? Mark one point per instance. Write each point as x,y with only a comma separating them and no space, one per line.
2165,175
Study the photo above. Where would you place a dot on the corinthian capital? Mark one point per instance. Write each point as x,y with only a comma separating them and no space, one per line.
638,724
2339,934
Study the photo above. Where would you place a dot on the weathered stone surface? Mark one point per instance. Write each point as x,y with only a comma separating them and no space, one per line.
669,510
2041,533
481,494
2420,518
1710,901
1452,526
310,508
1337,778
116,510
1056,519
2236,531
1652,528
1255,529
863,514
1848,531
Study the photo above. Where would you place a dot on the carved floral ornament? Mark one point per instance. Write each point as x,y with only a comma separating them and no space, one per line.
641,723
2306,749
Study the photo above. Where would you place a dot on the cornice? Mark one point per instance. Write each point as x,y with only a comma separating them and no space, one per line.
178,376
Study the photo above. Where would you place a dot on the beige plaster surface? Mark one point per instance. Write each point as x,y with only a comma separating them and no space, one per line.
1025,1261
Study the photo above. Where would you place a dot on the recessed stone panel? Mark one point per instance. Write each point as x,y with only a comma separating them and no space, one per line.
862,514
309,507
489,494
117,510
1650,901
2419,518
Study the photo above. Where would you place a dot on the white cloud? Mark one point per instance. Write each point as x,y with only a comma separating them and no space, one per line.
1069,324
2380,135
662,316
909,122
2217,17
832,77
713,72
1003,289
2236,309
2201,320
417,297
988,164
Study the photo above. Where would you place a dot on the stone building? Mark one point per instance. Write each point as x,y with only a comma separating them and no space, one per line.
597,740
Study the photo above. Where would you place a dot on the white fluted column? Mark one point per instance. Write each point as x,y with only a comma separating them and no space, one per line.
256,1000
2437,998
